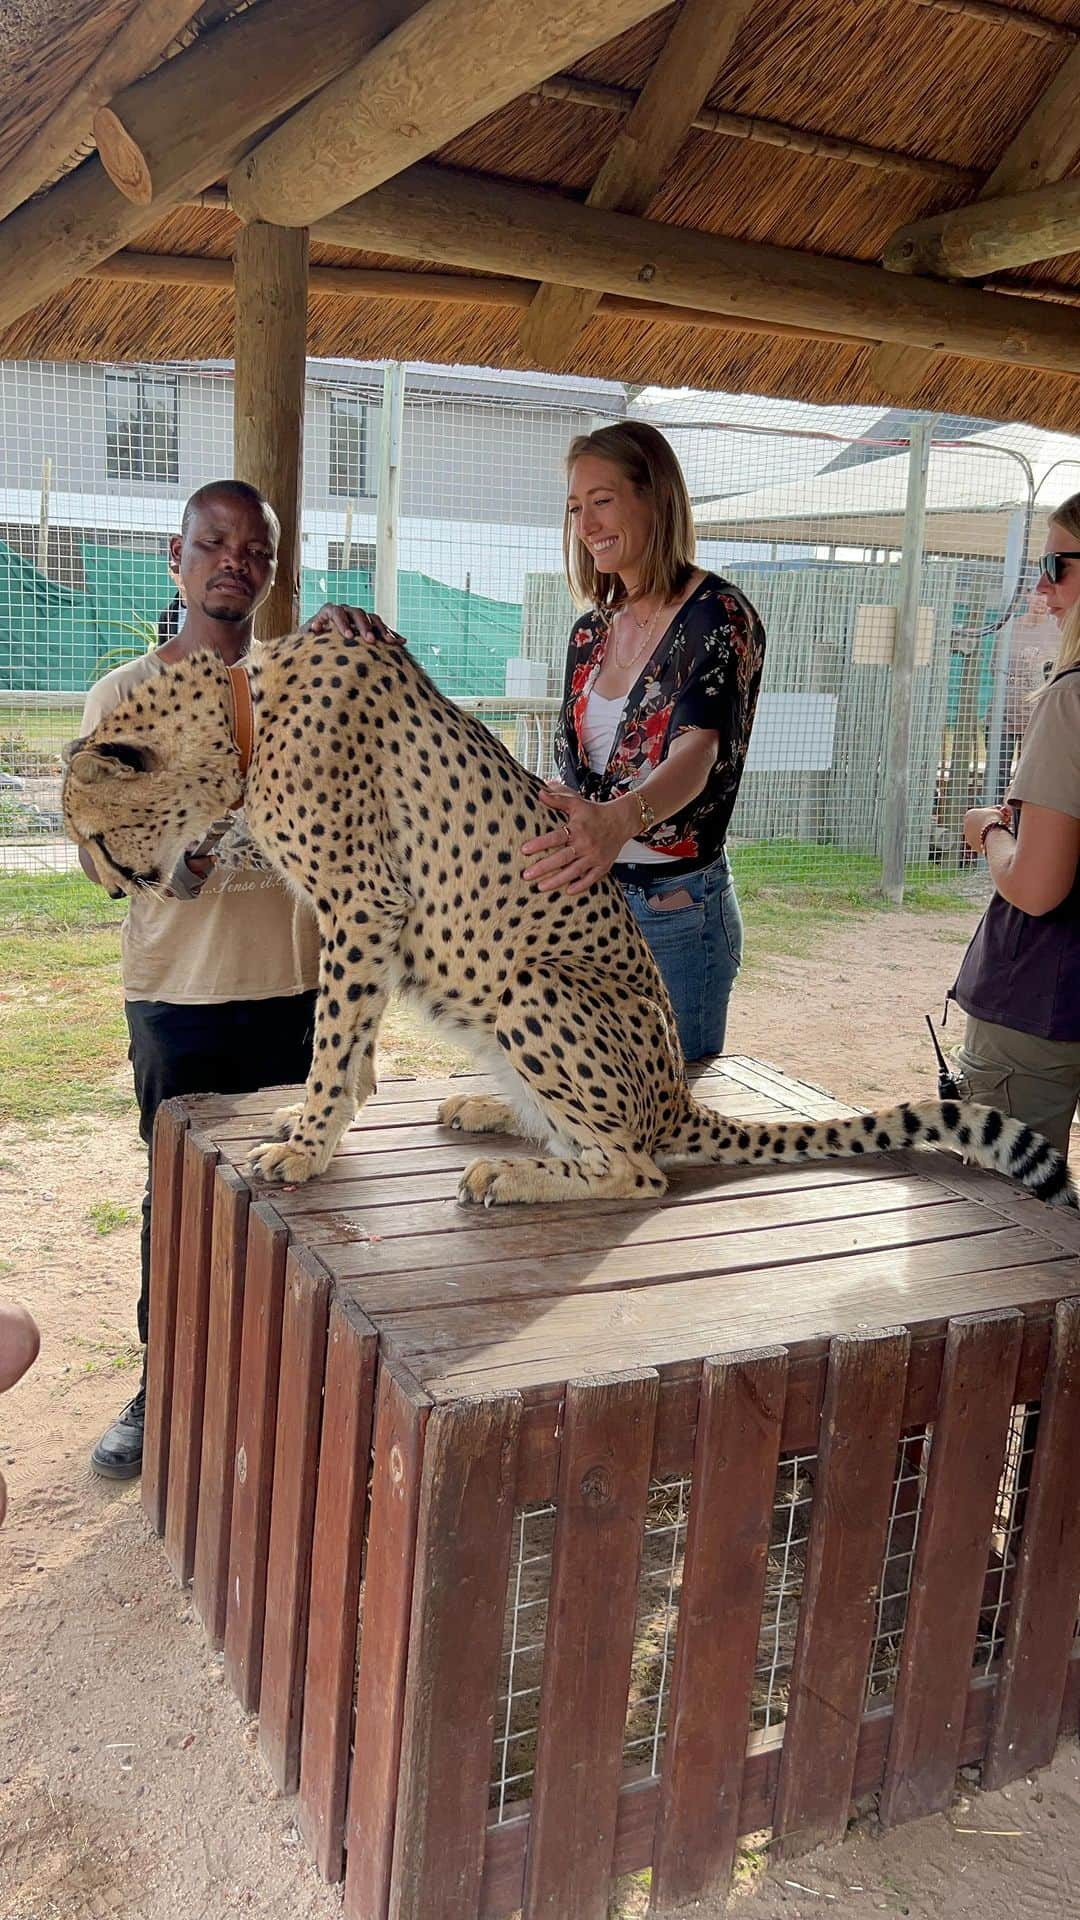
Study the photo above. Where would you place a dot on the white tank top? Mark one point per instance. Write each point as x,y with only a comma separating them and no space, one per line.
599,725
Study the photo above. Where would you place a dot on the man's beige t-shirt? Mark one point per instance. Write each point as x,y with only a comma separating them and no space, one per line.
246,937
1048,770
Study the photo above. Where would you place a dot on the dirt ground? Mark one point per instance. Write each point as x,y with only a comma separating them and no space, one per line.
130,1785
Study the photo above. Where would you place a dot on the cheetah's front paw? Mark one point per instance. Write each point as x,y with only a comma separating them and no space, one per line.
475,1113
284,1120
284,1165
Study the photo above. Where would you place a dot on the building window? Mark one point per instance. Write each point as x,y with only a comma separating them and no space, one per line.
141,433
348,447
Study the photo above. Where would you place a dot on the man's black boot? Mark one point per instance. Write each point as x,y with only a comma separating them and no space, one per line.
118,1454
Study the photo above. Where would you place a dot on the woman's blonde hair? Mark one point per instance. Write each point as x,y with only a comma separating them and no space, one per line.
647,461
1068,653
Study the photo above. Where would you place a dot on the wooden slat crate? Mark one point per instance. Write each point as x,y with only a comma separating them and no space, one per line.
555,1544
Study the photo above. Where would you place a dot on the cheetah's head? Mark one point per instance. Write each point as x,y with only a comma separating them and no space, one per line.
153,776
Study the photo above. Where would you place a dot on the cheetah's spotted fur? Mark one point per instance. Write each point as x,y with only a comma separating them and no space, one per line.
401,818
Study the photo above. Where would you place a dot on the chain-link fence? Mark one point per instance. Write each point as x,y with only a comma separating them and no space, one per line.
806,509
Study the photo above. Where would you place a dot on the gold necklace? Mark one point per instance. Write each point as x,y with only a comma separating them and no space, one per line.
647,627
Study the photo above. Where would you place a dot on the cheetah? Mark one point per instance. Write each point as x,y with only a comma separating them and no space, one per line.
400,817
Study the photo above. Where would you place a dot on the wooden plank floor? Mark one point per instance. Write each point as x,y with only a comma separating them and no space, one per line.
475,1300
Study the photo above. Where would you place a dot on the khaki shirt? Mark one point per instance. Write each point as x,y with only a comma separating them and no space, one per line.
1048,770
246,937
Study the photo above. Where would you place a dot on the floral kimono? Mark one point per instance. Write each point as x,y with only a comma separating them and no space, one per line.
705,673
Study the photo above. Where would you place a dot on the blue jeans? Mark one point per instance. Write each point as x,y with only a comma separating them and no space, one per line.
698,948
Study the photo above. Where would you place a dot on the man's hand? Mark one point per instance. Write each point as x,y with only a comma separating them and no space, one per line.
352,623
976,819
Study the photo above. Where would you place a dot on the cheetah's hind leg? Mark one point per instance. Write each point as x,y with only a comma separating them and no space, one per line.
607,1172
477,1113
590,1083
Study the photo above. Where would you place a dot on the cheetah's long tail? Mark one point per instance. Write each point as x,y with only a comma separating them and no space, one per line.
981,1134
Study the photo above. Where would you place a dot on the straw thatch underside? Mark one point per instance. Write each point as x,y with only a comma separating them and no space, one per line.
897,75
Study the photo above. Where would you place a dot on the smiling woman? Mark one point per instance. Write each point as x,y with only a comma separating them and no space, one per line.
662,679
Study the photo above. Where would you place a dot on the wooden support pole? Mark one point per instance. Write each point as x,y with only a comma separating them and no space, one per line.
640,157
894,836
447,67
43,516
268,427
388,505
126,55
495,226
990,235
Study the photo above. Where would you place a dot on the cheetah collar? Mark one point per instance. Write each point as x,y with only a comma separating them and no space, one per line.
242,723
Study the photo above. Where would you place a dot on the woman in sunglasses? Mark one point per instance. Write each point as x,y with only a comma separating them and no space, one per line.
1020,980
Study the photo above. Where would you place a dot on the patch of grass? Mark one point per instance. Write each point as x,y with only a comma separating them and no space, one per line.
63,1037
44,727
107,1215
55,902
788,891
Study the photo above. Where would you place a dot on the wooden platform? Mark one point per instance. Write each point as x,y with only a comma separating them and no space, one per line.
364,1353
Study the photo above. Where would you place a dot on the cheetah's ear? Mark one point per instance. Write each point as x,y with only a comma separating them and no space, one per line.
89,764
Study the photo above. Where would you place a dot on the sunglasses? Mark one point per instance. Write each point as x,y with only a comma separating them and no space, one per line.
1053,566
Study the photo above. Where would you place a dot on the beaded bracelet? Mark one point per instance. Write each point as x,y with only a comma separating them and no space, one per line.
993,826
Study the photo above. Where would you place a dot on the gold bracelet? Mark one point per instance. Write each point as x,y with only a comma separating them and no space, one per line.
648,815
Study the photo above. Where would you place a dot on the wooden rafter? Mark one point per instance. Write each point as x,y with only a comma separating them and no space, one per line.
991,235
453,289
768,133
495,226
146,34
204,110
1041,151
186,125
443,70
994,15
639,157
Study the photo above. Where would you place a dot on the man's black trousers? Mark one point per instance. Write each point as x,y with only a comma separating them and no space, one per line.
235,1046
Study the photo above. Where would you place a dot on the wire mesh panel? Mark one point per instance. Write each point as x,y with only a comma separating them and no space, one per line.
1004,1553
783,1590
517,1705
894,1589
659,1593
802,507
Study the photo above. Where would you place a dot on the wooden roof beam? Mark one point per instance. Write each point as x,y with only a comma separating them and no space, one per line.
178,131
991,235
205,109
443,70
144,35
453,289
495,226
1041,151
639,158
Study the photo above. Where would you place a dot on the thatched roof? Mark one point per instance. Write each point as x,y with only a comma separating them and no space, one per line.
907,77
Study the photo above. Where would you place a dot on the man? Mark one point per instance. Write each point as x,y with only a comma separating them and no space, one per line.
218,981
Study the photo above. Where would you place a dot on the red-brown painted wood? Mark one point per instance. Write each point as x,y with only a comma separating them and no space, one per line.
341,1503
167,1189
256,1425
739,1421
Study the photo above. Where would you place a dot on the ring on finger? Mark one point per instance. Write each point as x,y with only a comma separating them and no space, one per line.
566,830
